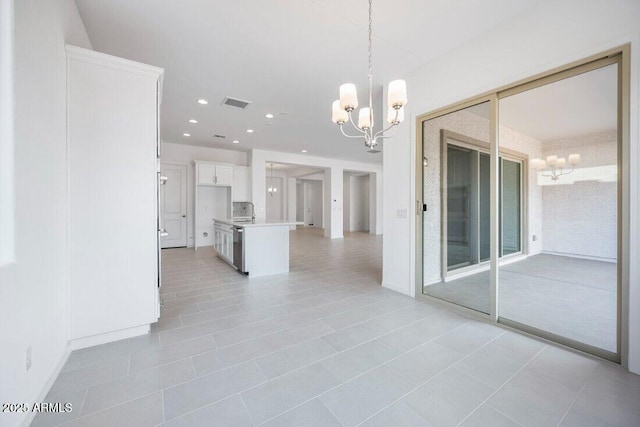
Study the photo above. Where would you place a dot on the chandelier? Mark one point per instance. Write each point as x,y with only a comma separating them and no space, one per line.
348,102
554,167
272,188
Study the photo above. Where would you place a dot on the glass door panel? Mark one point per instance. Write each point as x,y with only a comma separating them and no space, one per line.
456,241
565,286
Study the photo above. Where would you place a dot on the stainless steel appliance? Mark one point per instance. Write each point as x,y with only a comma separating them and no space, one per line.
238,252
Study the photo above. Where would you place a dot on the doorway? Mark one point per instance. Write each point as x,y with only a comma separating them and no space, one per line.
356,201
173,205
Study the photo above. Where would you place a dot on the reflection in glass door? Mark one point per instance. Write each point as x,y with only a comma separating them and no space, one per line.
457,230
521,206
566,287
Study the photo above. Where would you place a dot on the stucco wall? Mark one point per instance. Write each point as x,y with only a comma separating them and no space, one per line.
580,218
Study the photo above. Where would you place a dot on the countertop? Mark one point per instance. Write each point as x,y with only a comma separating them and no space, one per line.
258,223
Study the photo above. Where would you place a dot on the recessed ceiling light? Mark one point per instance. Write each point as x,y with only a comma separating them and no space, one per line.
193,121
235,141
203,101
249,130
186,134
269,116
304,151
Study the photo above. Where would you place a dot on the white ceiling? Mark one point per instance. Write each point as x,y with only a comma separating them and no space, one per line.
579,105
288,57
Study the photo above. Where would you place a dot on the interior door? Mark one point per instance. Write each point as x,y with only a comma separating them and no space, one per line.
173,202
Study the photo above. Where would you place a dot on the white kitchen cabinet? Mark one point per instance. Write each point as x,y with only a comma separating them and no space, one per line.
206,174
224,175
223,241
212,174
241,184
112,148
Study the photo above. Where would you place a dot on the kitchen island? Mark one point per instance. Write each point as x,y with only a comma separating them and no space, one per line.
257,249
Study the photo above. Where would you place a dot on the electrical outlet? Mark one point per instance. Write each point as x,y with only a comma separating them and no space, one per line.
27,359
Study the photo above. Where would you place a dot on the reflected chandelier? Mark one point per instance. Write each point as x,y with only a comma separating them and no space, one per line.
554,166
348,102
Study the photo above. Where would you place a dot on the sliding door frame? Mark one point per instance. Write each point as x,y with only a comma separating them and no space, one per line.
620,56
482,148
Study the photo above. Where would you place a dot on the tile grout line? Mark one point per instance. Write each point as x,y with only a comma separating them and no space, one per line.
432,378
573,402
363,373
246,410
502,386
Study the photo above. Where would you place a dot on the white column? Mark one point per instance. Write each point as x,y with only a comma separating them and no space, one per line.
333,203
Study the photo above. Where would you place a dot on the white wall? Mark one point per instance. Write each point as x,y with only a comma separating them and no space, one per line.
539,40
277,200
580,218
34,290
184,155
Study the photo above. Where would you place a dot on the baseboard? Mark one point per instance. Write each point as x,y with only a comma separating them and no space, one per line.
47,386
85,342
396,288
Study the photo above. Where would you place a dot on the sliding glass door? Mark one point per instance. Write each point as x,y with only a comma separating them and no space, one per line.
521,195
567,286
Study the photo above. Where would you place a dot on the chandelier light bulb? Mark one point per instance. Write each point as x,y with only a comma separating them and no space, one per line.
552,160
339,115
561,162
348,97
364,118
574,159
397,94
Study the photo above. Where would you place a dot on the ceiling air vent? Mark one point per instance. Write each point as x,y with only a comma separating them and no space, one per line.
235,103
219,136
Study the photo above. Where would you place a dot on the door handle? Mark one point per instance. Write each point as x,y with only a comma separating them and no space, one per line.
163,180
184,216
163,232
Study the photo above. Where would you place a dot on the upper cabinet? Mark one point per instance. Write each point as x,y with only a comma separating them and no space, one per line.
241,184
214,174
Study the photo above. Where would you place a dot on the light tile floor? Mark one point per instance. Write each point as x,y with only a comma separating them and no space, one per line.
325,345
